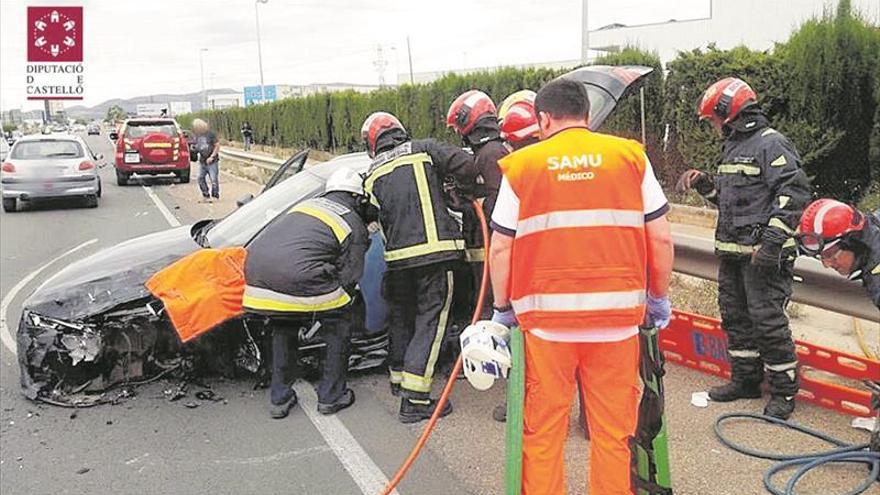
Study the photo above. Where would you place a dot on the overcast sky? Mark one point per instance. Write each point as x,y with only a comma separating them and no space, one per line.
141,47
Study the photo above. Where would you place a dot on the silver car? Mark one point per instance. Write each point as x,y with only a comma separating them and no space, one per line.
53,166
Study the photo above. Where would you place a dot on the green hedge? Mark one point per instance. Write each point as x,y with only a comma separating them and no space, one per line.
821,89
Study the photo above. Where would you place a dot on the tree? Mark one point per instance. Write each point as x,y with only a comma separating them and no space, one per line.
9,127
115,113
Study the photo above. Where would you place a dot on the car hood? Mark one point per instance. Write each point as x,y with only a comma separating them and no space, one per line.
110,277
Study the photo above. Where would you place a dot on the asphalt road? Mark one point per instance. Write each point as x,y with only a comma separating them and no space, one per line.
150,445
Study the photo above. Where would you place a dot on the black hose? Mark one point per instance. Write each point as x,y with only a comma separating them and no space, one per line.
842,452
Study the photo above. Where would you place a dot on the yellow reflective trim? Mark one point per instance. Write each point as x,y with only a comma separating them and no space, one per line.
425,200
415,383
157,145
423,249
876,270
779,224
273,305
732,247
475,255
783,201
441,328
340,229
395,376
790,243
387,168
779,161
736,168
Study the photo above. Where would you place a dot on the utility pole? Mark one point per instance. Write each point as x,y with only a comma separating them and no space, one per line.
260,50
380,64
585,34
409,54
202,69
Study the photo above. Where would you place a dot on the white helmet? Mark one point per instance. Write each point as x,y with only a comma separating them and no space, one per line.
485,354
345,179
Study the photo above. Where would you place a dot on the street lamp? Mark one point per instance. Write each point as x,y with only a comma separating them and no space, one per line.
202,68
260,49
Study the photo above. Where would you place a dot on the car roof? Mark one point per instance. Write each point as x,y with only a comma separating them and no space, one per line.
49,137
151,120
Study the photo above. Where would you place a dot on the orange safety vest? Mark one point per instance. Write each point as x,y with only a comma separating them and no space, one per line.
579,258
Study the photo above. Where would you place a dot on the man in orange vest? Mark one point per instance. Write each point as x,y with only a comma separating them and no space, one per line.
581,255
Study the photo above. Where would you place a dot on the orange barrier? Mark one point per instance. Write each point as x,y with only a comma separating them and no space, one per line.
698,342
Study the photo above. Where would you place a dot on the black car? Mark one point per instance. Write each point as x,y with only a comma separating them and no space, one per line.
94,325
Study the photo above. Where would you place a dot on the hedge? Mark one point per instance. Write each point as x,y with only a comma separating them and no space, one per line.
821,89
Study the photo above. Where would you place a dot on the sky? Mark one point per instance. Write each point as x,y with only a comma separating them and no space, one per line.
142,47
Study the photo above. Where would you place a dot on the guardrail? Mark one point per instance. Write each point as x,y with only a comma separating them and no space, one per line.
695,256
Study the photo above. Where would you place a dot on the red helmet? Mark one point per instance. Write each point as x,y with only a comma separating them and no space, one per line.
375,125
467,109
826,222
724,100
517,116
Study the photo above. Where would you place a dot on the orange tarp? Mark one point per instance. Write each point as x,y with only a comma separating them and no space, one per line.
201,290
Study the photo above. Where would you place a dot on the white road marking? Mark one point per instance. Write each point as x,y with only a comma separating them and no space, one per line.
365,473
5,335
172,220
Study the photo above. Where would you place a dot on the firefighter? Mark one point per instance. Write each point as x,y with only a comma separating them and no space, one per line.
302,270
760,190
844,239
473,117
518,122
581,250
423,243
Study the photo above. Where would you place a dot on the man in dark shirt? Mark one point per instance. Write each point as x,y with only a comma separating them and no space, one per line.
208,148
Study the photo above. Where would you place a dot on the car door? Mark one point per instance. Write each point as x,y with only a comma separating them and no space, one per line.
606,86
291,167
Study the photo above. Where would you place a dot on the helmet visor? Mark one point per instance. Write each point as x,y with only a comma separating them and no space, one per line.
816,246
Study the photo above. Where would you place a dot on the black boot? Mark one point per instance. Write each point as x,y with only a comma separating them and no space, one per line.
415,410
346,400
780,407
732,391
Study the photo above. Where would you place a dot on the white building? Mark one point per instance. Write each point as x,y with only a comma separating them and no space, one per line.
756,24
219,101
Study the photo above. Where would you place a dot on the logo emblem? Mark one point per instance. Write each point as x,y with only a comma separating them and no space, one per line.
55,34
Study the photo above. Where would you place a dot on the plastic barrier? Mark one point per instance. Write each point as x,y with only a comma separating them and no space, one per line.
698,342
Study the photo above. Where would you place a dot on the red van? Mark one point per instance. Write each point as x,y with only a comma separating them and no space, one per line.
151,146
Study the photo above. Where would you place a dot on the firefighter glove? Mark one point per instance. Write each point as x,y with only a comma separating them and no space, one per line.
697,180
659,311
767,256
505,317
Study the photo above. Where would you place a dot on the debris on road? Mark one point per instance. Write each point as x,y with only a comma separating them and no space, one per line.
83,470
700,399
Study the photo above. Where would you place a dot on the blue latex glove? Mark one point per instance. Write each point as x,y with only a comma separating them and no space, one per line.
506,318
659,311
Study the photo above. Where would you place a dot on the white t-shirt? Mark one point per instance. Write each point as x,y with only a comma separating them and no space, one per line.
504,220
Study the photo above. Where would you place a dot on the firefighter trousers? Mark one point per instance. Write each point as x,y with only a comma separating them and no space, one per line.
335,332
419,301
609,373
752,302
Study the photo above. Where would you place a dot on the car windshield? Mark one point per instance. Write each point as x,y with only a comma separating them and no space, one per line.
42,149
141,129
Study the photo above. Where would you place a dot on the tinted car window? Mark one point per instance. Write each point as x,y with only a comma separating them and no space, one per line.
38,150
141,129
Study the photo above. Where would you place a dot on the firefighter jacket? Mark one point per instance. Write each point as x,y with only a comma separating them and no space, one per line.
309,259
868,264
579,254
406,183
489,176
760,190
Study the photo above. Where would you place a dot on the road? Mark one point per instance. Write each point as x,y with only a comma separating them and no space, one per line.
150,445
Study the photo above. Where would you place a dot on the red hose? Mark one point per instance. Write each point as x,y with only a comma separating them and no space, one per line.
447,389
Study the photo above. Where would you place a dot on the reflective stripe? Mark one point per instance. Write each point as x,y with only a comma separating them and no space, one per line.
579,218
779,161
442,321
732,247
745,354
783,201
157,145
337,224
779,224
423,249
260,298
780,367
395,376
585,301
876,270
475,255
790,243
769,131
736,168
415,383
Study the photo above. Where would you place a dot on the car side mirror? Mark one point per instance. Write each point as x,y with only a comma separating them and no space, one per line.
99,156
114,135
247,198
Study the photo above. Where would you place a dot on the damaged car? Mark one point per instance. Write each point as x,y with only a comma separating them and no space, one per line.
94,327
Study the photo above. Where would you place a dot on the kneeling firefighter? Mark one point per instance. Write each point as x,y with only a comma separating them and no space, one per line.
760,190
423,243
301,271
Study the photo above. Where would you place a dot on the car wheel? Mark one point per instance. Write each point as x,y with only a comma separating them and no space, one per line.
183,176
121,178
92,201
9,205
